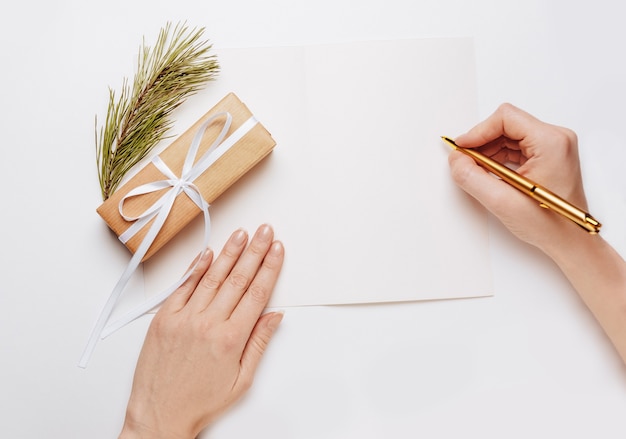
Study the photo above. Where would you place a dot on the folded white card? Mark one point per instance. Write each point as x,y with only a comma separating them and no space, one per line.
358,186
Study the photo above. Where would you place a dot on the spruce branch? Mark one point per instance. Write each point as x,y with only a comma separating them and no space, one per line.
178,66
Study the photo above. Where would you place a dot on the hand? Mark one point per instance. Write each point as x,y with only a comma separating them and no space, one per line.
547,154
206,341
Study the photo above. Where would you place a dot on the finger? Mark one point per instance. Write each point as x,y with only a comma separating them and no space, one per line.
514,209
179,298
242,274
257,296
507,120
506,156
496,195
255,348
493,147
207,287
501,143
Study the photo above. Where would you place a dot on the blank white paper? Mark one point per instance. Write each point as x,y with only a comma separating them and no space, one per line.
358,186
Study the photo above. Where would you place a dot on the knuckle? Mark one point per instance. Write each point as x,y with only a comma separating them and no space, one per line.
231,252
258,248
506,107
238,280
185,289
272,262
259,293
229,340
570,136
210,282
565,141
261,341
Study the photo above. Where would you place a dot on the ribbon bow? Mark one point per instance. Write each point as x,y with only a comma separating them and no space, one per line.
160,210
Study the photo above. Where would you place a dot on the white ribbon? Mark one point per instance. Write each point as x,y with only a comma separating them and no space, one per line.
159,211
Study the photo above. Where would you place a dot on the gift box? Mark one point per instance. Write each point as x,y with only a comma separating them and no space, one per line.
230,125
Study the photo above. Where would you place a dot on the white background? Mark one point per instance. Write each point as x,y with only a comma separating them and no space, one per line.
528,362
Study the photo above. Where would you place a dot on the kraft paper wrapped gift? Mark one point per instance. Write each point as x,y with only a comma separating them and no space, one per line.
245,153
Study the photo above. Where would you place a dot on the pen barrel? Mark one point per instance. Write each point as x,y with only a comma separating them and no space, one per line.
552,201
511,177
545,197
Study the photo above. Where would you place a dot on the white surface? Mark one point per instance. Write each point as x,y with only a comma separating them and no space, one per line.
528,362
358,186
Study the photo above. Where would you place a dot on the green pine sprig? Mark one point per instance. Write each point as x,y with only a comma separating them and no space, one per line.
176,67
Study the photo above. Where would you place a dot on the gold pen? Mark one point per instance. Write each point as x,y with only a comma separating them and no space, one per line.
546,198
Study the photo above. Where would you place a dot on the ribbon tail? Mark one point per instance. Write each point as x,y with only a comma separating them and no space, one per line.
145,307
108,309
121,284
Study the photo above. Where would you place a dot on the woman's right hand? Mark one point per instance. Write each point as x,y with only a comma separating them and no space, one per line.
546,154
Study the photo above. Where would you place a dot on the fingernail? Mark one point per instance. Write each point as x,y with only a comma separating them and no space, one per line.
275,320
207,254
459,139
265,232
276,249
239,237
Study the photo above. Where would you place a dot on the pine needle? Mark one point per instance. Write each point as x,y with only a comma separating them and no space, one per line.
176,67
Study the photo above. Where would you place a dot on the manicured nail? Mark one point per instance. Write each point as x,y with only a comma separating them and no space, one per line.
207,254
276,249
275,320
265,232
239,237
460,139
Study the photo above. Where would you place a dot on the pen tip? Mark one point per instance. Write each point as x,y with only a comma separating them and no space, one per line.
449,141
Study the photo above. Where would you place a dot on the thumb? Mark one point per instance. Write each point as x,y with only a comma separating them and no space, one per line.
497,196
258,341
518,212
